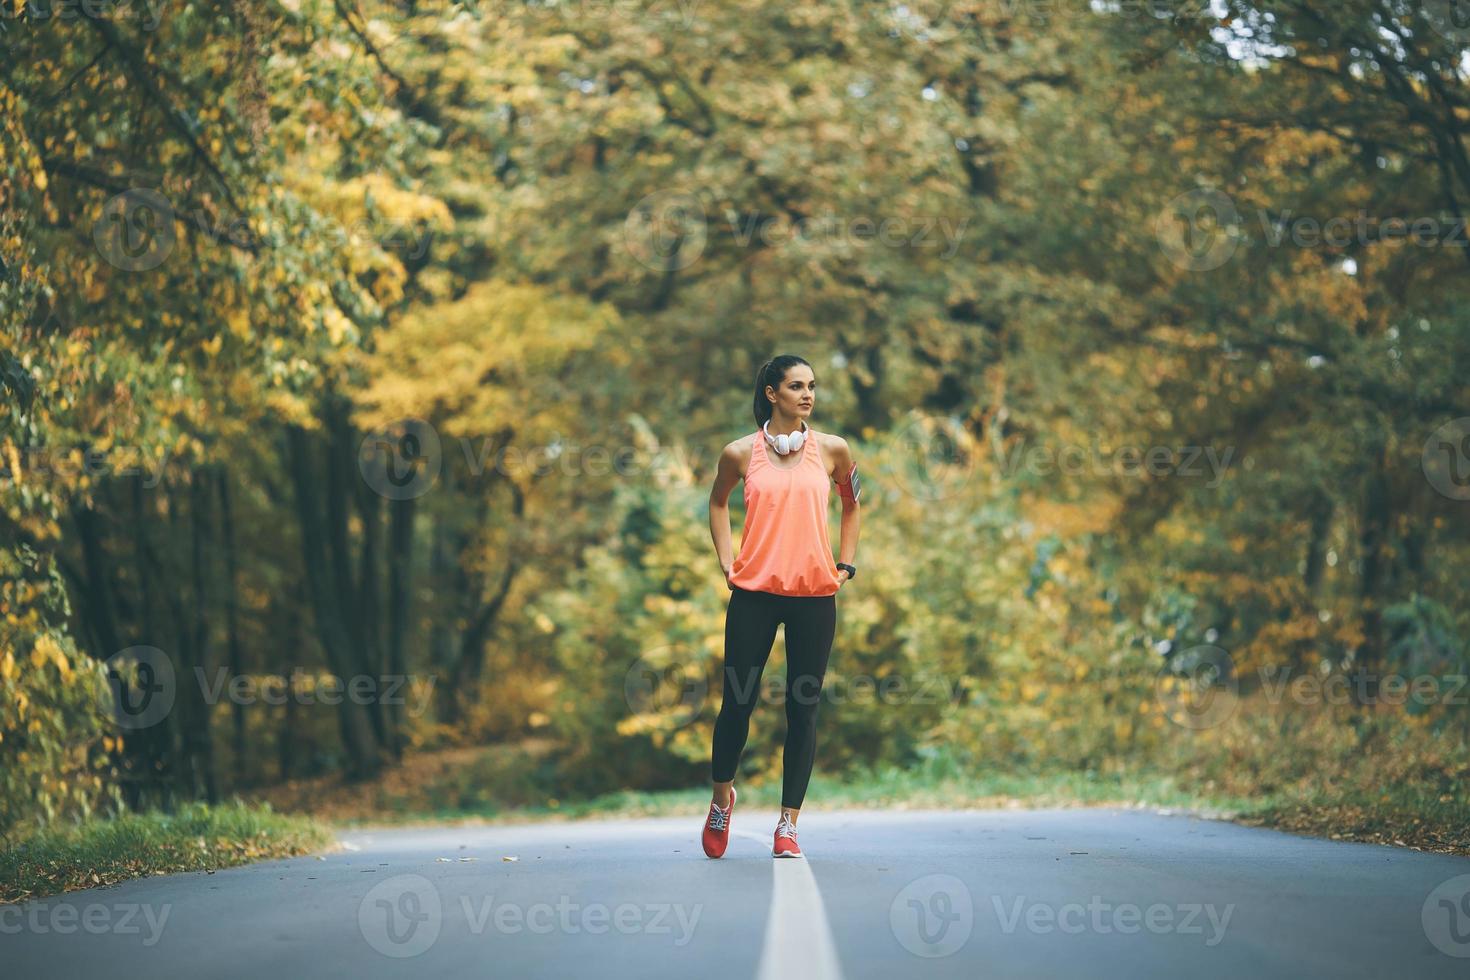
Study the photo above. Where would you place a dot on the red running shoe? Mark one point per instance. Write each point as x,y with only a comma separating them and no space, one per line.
785,845
717,828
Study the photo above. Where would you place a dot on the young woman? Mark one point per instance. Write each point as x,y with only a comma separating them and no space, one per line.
783,574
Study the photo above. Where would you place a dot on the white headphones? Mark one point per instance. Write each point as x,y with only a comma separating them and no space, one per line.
785,443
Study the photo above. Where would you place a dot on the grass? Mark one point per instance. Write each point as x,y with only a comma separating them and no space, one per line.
465,785
1385,784
496,784
1406,816
889,789
504,784
109,851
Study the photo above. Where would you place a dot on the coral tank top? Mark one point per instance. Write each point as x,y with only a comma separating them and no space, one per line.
784,547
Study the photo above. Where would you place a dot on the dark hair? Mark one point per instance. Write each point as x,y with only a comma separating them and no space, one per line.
772,373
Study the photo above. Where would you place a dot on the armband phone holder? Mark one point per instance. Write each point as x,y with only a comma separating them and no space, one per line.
851,487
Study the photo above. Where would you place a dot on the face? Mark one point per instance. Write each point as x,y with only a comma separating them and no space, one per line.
797,393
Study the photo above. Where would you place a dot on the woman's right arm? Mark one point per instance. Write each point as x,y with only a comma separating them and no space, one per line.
727,475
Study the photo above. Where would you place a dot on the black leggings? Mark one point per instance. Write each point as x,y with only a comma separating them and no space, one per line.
750,631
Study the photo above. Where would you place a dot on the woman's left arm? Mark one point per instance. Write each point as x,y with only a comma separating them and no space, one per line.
844,474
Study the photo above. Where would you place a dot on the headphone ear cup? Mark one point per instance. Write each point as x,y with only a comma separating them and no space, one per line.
785,442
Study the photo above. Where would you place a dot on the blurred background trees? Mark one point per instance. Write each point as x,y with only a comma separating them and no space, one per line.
244,244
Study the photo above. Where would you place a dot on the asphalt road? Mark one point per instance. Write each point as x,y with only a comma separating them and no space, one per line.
1053,893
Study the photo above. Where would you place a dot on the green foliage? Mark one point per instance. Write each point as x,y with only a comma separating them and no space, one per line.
54,716
1424,636
196,838
570,229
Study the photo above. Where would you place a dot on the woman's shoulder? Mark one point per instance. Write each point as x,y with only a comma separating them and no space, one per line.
742,445
738,451
835,454
829,440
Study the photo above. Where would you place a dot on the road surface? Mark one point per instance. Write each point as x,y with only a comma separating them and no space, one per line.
979,893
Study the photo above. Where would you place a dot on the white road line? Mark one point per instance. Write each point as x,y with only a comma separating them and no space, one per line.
798,939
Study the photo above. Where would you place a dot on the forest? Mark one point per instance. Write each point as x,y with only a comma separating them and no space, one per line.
364,365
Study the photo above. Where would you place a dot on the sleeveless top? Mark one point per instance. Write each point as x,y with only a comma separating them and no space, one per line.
784,547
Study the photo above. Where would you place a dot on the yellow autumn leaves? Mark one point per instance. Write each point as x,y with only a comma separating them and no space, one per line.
45,651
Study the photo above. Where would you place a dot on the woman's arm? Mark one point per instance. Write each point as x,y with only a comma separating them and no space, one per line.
844,474
727,474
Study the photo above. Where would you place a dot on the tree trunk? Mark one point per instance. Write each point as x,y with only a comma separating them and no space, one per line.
287,740
204,738
357,623
368,608
472,643
441,650
1373,529
232,626
153,750
141,757
358,740
400,569
98,600
1320,511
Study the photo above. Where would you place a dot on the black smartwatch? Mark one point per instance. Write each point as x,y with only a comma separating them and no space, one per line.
851,570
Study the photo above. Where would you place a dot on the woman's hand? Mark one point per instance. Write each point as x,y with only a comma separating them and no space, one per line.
841,577
728,584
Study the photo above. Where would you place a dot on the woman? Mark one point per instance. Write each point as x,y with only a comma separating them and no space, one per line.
783,574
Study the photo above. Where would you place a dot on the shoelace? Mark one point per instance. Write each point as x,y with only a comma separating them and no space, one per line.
717,817
786,829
